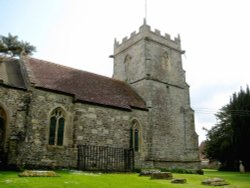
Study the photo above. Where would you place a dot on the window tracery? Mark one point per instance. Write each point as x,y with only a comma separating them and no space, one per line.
56,127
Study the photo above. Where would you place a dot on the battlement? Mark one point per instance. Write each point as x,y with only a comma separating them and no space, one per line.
145,31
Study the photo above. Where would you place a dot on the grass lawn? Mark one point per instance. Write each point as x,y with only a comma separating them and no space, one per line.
70,179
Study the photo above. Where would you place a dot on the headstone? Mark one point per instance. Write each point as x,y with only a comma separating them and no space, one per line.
241,167
38,173
214,182
179,180
148,172
162,175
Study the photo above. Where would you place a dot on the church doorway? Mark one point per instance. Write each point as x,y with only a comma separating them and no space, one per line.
2,135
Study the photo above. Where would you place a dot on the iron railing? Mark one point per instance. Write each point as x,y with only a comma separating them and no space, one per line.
103,158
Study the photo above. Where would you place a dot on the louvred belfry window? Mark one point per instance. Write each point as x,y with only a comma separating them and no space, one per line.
56,128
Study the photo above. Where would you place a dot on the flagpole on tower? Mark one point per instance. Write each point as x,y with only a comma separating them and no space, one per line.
146,10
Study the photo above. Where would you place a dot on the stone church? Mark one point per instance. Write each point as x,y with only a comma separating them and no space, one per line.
47,110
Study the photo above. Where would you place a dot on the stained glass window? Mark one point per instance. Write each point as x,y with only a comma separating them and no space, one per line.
2,125
131,138
136,140
56,130
52,132
135,136
60,132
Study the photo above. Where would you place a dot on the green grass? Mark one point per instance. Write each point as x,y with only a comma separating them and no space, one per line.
68,179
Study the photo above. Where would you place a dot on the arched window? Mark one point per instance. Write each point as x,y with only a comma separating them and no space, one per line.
166,60
127,62
135,136
56,127
2,127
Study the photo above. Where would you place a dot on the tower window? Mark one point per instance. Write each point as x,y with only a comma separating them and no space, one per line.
165,60
56,127
127,62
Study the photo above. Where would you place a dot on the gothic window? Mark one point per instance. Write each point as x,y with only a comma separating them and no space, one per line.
127,61
135,136
2,126
56,127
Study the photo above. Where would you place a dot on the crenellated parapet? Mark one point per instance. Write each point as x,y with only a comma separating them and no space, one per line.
145,33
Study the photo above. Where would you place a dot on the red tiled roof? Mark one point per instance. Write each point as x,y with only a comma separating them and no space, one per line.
85,86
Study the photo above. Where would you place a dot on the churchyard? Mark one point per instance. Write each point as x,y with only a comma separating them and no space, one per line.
77,179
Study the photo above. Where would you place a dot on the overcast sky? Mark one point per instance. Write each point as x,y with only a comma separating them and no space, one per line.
80,33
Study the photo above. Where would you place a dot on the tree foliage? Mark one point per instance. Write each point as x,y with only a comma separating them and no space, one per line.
229,140
10,46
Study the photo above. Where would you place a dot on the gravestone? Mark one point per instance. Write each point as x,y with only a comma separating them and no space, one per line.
148,172
179,180
214,182
38,173
162,175
241,167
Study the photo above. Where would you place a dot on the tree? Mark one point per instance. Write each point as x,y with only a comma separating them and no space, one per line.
10,46
229,140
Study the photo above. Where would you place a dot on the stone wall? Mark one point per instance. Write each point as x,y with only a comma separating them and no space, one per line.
129,63
15,103
102,126
85,124
34,150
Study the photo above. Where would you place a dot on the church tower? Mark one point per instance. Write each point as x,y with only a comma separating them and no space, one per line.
151,63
